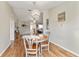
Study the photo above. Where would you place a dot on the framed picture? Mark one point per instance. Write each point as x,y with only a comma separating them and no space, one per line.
47,24
61,17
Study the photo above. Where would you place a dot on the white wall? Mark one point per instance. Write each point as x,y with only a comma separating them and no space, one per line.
45,17
5,17
65,34
24,30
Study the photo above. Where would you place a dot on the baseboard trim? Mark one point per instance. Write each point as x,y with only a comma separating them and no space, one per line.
5,49
65,49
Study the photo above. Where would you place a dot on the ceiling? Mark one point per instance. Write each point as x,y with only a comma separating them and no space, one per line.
21,8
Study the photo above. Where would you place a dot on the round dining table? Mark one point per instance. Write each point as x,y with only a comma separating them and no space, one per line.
35,38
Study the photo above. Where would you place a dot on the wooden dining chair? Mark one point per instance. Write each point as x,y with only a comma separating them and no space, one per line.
45,43
32,49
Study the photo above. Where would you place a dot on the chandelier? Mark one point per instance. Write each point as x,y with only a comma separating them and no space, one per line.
35,12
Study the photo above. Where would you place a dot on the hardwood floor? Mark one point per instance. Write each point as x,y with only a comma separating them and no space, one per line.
16,49
56,51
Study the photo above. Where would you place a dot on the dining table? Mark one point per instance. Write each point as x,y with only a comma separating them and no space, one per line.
34,38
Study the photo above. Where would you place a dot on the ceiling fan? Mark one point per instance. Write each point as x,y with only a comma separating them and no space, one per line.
34,4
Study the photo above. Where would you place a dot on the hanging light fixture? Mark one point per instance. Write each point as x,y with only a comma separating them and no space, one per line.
35,12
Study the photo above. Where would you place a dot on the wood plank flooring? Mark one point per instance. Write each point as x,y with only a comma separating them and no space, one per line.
16,49
56,51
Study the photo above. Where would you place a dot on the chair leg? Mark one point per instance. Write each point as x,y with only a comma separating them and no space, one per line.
36,54
41,51
26,54
48,47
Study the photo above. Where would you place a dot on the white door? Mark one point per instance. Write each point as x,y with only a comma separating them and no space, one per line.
12,29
